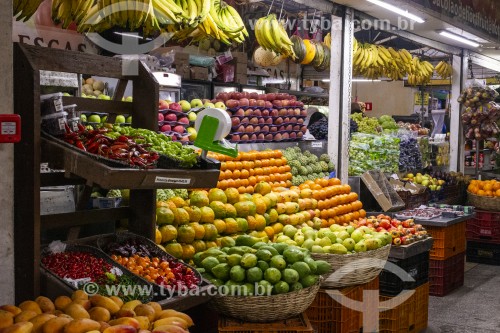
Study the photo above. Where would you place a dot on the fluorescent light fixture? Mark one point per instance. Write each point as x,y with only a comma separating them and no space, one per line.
465,34
397,10
459,38
325,80
365,80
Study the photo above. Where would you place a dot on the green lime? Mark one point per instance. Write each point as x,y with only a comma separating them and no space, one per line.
272,275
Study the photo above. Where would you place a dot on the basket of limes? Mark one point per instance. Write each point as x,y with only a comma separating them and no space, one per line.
262,283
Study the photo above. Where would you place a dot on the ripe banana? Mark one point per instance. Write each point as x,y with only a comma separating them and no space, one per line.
24,9
444,70
272,36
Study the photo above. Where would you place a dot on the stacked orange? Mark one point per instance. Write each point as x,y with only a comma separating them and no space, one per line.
336,203
485,188
250,168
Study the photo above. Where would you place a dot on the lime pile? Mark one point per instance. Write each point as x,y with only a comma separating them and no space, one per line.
260,270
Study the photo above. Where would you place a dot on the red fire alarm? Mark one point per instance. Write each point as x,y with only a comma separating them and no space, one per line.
369,106
10,128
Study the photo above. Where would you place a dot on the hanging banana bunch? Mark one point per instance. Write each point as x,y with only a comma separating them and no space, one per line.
272,36
328,40
67,11
24,9
444,70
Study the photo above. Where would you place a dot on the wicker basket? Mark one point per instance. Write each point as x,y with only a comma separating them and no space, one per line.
357,271
414,200
262,309
484,203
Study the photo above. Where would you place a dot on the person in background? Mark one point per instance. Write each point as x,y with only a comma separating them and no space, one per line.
356,108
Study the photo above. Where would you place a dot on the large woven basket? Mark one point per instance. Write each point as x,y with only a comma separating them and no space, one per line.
353,269
262,309
484,203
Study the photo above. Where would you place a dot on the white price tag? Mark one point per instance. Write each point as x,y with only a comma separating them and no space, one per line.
168,180
317,144
8,128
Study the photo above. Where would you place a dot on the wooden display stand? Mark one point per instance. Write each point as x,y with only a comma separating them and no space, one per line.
32,150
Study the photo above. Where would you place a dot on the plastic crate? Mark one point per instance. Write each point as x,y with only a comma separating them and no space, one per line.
293,325
416,266
448,241
446,275
396,318
421,314
327,315
483,230
488,216
483,253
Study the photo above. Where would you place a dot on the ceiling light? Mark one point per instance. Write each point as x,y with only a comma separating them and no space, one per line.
397,10
459,38
467,35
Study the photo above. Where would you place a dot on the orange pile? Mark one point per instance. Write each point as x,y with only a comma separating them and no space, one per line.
485,188
150,269
336,203
250,168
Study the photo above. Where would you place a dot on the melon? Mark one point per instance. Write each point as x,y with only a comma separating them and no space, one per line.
266,58
310,52
299,49
320,54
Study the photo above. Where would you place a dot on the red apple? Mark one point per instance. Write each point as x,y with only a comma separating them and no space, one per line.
253,95
265,128
253,137
249,129
245,137
274,113
271,97
278,121
161,117
268,137
245,94
296,128
245,120
170,117
300,135
303,113
285,136
185,139
257,129
241,129
174,137
229,113
175,106
261,103
224,96
277,103
300,121
249,112
292,97
281,128
236,95
293,120
286,120
244,102
268,105
277,137
235,121
282,112
269,121
232,103
162,105
254,121
261,136
165,128
293,135
183,120
179,129
262,97
262,120
265,113
273,129
240,113
257,113
303,129
296,112
235,137
285,102
252,102
289,128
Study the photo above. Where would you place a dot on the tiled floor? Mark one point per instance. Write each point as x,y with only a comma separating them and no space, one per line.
474,308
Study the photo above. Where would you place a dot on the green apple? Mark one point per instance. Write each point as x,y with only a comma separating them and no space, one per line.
94,118
192,133
128,99
192,116
104,119
83,118
120,119
66,94
129,119
209,105
196,103
185,105
102,96
349,244
220,105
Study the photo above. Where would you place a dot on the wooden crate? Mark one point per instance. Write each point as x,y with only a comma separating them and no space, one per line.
293,325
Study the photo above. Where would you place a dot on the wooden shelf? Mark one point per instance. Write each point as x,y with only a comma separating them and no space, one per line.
84,166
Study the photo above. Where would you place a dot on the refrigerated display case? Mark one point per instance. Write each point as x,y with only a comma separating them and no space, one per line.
224,87
170,86
193,89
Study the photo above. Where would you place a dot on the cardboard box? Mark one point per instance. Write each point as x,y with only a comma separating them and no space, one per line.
240,57
382,191
241,68
199,73
184,71
241,79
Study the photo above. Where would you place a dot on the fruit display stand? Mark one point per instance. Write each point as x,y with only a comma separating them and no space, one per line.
29,62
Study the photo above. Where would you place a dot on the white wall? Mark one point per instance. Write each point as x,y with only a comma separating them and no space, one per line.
390,98
6,159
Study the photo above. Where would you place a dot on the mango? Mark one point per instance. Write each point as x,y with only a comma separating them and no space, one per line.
30,306
99,314
173,313
79,294
81,326
55,325
104,325
76,311
144,322
156,306
45,304
125,321
61,302
145,310
169,329
130,305
24,327
6,318
124,313
25,316
39,321
105,302
11,308
117,300
84,302
176,321
120,329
